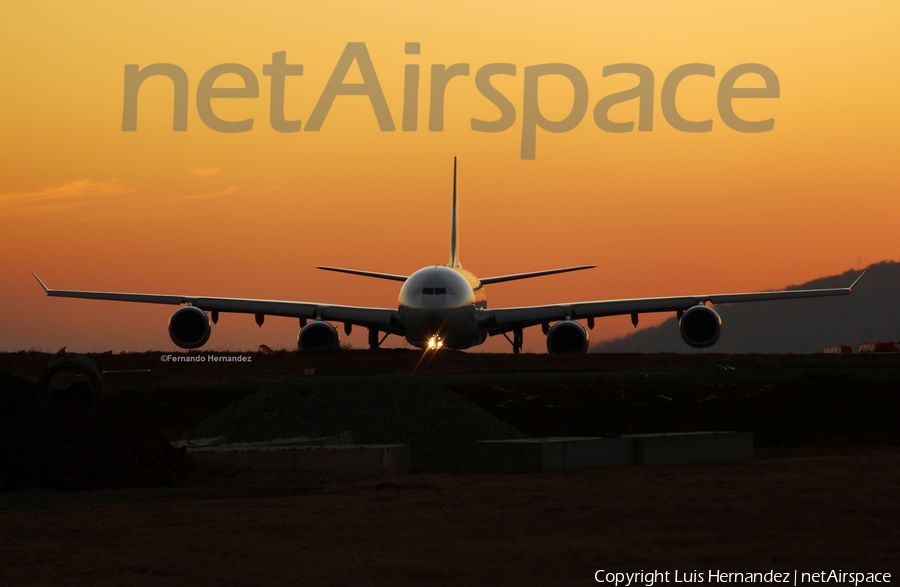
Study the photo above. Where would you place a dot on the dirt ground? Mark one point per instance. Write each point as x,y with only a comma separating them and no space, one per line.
821,494
809,513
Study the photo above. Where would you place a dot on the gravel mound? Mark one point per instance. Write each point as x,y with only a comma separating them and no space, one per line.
440,426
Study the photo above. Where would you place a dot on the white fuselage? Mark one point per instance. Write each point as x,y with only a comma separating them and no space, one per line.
441,303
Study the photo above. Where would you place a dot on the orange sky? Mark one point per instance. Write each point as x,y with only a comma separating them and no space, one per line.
89,206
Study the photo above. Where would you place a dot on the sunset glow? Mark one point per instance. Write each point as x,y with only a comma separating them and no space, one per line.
88,205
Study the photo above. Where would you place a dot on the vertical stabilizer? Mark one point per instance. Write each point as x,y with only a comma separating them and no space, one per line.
454,231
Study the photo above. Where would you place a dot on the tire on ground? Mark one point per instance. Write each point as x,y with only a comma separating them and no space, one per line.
82,396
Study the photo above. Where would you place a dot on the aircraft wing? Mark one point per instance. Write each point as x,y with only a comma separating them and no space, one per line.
506,319
384,319
515,276
390,276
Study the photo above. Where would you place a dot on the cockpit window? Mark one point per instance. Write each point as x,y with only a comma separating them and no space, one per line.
434,291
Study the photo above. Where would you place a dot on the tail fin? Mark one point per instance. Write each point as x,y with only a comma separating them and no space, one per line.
454,231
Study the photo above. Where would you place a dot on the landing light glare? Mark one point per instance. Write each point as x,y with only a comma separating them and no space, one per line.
435,343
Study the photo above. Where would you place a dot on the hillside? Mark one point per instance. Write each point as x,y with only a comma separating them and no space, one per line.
870,314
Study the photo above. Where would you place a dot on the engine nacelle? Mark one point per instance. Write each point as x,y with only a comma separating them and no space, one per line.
318,335
189,327
567,336
700,327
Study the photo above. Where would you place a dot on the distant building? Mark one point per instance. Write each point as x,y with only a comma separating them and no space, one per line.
878,347
839,349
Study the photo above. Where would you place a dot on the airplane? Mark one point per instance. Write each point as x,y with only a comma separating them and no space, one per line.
445,306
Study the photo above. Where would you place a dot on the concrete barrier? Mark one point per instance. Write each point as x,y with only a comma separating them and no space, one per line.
535,455
692,448
372,459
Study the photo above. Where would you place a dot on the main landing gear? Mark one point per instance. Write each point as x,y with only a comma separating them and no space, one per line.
374,342
516,341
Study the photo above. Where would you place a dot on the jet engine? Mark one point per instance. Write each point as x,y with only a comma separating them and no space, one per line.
318,335
189,327
700,327
567,336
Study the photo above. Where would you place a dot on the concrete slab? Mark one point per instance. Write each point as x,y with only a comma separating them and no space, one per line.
692,448
536,455
372,459
344,438
197,442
